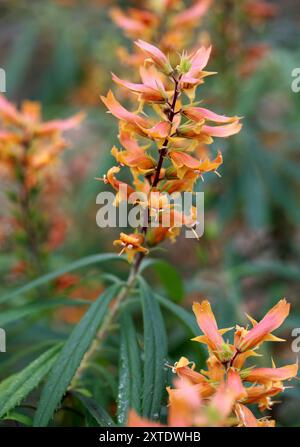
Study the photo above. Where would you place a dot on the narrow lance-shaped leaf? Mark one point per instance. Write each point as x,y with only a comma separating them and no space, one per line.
71,356
15,388
124,384
80,263
30,310
155,352
130,385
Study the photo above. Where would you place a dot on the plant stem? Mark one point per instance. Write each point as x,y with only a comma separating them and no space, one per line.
35,263
94,348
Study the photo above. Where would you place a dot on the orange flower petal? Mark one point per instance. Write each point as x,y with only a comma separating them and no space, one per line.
245,416
207,323
156,55
266,375
199,114
120,112
222,131
271,321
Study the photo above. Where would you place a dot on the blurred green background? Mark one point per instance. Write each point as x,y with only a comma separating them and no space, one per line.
61,53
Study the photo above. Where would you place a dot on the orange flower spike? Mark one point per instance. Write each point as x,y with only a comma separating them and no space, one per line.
212,335
268,375
131,244
262,331
158,57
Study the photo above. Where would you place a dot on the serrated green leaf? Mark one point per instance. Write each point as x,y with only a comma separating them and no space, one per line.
130,384
71,356
15,388
155,353
124,384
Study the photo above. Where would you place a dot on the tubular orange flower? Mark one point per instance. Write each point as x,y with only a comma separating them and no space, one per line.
147,92
247,419
120,112
156,55
131,244
201,114
159,131
134,159
212,335
184,162
183,369
262,331
269,375
222,131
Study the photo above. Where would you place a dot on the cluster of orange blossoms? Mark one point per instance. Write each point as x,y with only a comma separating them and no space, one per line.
168,123
166,22
29,153
219,395
28,143
171,25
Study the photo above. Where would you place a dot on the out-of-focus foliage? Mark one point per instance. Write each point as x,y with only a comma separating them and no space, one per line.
61,53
